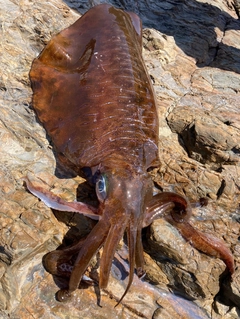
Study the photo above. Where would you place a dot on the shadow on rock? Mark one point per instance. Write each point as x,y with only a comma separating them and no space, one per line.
199,29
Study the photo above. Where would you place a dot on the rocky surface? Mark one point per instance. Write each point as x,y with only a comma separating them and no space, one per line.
192,52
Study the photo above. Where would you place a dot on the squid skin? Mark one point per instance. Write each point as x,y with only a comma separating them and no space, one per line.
93,95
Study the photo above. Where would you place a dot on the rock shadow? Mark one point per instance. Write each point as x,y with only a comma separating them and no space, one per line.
196,27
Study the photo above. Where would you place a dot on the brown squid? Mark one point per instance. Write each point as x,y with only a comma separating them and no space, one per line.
95,99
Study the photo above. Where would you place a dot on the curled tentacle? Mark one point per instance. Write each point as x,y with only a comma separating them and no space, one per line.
167,203
60,262
177,210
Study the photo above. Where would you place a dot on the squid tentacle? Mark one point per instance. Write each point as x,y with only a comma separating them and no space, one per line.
55,202
132,236
54,259
177,210
164,203
91,245
207,243
139,259
114,236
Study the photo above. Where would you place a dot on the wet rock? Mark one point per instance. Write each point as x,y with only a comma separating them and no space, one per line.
193,58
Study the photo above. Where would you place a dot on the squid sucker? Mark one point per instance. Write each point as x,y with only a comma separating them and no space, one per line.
94,97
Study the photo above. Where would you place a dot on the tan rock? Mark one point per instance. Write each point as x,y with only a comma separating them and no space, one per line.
193,58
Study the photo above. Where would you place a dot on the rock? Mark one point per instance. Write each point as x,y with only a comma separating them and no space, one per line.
189,272
206,138
237,6
192,53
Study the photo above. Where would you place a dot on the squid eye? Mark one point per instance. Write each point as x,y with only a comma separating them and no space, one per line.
101,188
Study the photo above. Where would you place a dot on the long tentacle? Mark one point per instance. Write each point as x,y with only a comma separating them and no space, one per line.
206,243
93,242
177,210
91,245
132,235
114,236
139,259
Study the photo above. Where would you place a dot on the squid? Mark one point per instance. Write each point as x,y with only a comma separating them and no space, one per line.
93,95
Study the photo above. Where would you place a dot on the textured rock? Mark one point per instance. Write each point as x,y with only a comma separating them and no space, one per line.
192,55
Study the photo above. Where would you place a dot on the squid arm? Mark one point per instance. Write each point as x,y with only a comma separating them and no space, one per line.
55,202
177,210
